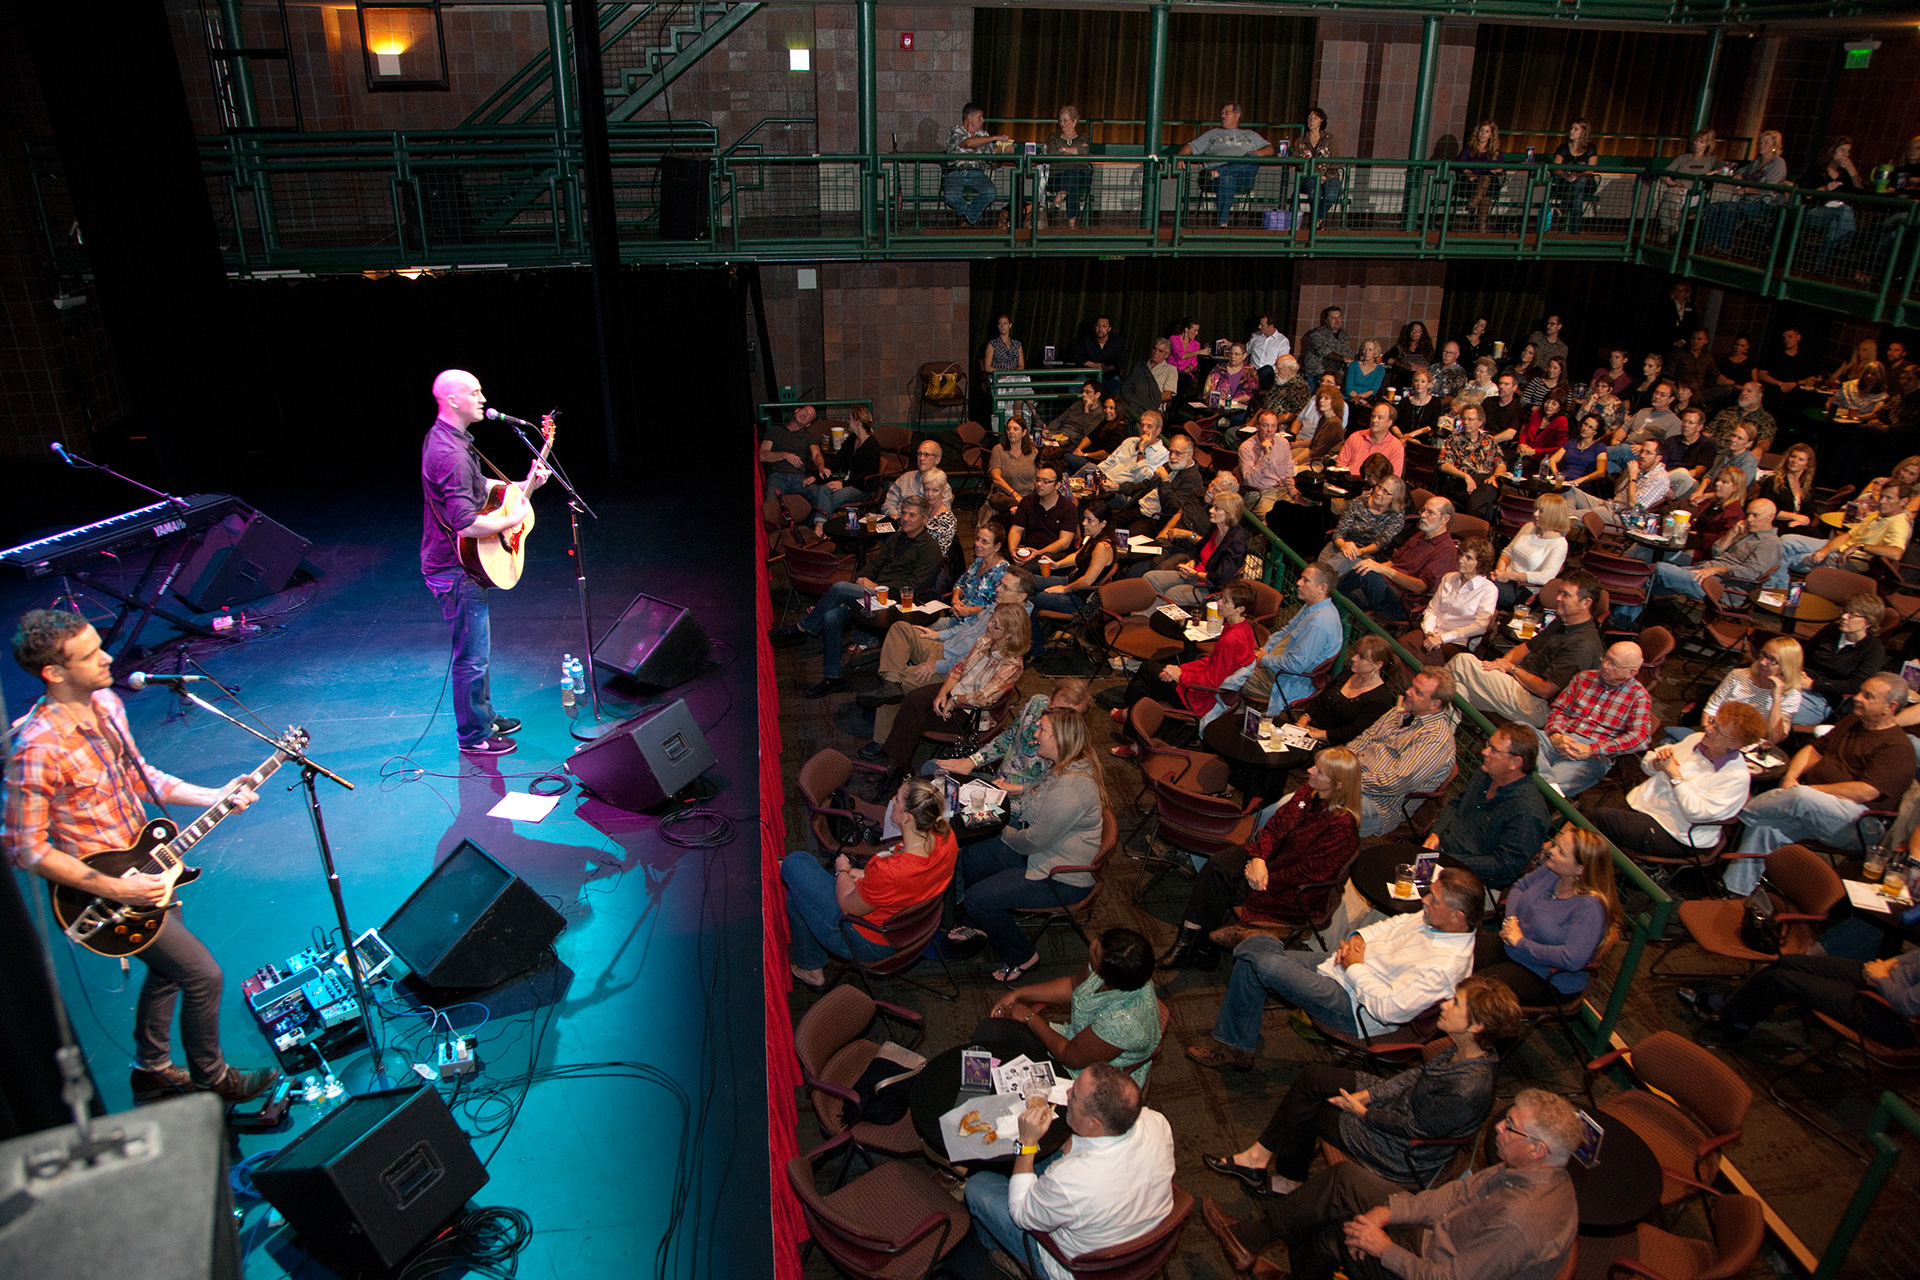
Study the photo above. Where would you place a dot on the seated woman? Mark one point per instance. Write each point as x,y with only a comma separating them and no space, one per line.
1371,1117
1191,685
1057,823
1461,609
1100,441
1017,748
1536,554
1546,431
1322,425
1550,381
1333,717
978,587
916,869
1582,460
1789,486
1113,1012
1420,411
1525,368
1011,465
1716,508
941,522
842,480
1069,580
1557,916
1367,376
1906,472
1859,397
1471,466
1368,527
1771,686
1701,779
979,680
1413,352
1189,578
1231,386
1312,834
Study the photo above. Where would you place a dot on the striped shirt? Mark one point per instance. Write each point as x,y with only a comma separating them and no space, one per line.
1397,760
71,785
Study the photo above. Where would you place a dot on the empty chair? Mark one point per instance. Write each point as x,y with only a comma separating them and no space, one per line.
1739,1229
1124,630
890,1223
1807,889
1705,1105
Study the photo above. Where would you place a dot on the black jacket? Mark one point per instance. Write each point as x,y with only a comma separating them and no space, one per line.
904,561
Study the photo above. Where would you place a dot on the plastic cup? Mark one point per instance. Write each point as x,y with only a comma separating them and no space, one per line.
1266,730
1213,611
1403,880
906,597
880,594
1874,867
1893,882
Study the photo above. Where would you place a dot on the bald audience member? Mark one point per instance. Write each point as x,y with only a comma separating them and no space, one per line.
1599,715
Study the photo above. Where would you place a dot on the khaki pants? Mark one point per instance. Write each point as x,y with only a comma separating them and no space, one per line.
905,646
1495,693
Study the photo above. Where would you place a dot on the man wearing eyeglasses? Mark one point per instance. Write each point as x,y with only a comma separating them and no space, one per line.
1599,715
913,483
1046,519
1497,822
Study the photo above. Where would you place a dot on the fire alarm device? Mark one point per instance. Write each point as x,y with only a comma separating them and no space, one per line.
906,42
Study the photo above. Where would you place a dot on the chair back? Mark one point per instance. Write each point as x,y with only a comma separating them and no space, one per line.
834,1021
1656,643
1739,1230
861,1226
907,933
1466,526
1136,1259
1198,822
814,568
825,772
1836,585
1698,1082
1596,527
1417,498
1421,463
1812,885
1124,596
1266,603
971,434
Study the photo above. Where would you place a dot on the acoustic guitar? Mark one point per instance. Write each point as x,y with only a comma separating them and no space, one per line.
497,559
109,927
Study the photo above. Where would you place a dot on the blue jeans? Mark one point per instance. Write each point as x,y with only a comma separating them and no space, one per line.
1075,183
1796,551
1262,964
1572,776
1326,194
1372,592
1784,816
1814,709
463,603
827,501
1573,197
1229,180
780,483
987,1203
969,193
828,620
1837,225
813,915
993,881
1668,580
1722,219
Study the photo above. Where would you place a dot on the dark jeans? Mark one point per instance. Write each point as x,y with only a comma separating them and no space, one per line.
1490,961
1573,197
915,716
464,605
1229,180
828,619
1634,833
1218,889
1825,983
177,963
993,882
1075,183
1372,592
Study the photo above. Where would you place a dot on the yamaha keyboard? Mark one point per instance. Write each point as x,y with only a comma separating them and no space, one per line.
141,530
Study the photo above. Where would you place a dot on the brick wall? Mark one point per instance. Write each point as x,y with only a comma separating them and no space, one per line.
1378,298
1365,74
919,93
881,321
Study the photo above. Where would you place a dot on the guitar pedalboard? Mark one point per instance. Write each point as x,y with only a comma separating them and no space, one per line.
301,1001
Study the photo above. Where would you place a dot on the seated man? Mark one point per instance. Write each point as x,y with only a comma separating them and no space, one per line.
1410,749
1232,177
1496,824
1841,655
1136,459
1111,1183
1865,762
1601,714
1746,410
784,451
1827,983
1522,684
1265,347
1101,350
1172,502
1046,520
1638,490
1388,973
1311,636
1377,438
1748,552
1885,533
966,184
1515,1220
913,655
1397,588
1688,455
913,483
1150,387
910,558
1700,779
1076,420
1266,463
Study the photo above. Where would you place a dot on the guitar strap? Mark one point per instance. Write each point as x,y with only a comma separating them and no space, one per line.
127,758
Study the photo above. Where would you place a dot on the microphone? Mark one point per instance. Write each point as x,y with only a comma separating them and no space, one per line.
141,679
494,415
64,455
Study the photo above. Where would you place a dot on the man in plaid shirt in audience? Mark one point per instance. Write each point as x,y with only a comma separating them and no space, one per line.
1599,715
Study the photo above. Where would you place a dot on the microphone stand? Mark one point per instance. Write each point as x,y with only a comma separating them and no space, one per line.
75,460
597,728
309,771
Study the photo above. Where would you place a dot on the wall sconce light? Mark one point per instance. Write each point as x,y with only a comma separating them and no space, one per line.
799,59
403,44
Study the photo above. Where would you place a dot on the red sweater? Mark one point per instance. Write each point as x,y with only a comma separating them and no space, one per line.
1232,651
1305,841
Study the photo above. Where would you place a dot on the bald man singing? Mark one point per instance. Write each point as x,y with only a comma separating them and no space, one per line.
455,489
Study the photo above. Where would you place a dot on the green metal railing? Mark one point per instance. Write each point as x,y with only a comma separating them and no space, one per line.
1282,567
1891,1115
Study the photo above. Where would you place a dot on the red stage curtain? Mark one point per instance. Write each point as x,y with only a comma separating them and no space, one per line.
783,1069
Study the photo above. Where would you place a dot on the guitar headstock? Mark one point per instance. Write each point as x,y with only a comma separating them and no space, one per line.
294,741
547,428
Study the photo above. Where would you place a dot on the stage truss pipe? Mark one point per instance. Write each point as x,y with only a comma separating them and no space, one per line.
1709,72
239,69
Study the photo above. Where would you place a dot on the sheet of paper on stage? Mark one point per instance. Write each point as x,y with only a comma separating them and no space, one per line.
519,806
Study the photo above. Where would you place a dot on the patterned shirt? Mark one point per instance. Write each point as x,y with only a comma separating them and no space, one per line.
1127,1020
1288,397
1652,489
1018,746
957,138
1273,471
1397,760
1318,346
1448,379
1477,457
71,787
1364,527
979,587
984,675
1759,421
1610,718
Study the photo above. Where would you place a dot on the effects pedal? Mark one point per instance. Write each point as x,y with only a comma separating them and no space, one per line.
327,987
455,1057
280,987
311,958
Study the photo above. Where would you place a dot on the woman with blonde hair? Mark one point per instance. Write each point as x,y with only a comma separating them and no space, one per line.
1789,486
1367,527
1480,155
1771,684
1073,179
1676,192
941,522
1280,876
1717,508
1537,553
991,668
1367,376
1557,916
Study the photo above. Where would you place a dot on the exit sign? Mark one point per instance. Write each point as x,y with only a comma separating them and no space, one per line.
1857,59
906,42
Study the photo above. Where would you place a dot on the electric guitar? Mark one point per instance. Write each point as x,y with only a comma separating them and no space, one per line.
497,559
108,927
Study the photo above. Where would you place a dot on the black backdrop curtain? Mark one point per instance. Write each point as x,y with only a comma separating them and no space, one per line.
1052,300
1539,80
1601,304
1031,62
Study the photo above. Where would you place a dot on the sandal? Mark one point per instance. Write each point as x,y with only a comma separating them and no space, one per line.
1013,973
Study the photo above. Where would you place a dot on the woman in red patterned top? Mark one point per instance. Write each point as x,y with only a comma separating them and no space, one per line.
1310,837
1725,505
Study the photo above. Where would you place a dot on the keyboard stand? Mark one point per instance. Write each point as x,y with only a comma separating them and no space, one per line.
148,604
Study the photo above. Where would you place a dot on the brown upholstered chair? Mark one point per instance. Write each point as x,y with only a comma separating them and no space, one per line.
833,1052
1810,887
1137,1259
1705,1105
1378,1044
892,1223
825,772
1126,634
908,935
1739,1229
1189,821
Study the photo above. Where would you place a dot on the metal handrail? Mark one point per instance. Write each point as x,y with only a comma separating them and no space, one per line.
1892,1113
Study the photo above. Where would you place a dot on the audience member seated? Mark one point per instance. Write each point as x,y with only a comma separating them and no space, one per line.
1884,533
1278,673
1615,376
1387,974
1367,376
1701,779
1265,346
1010,467
1113,1184
1017,747
1688,455
1056,823
966,185
1748,552
1716,508
1641,487
1325,348
942,524
1493,825
1557,915
1172,501
1322,427
785,448
1771,685
913,656
910,558
1185,348
1368,527
1660,415
1151,385
1582,460
1232,386
1420,409
1515,1220
917,869
1191,685
1393,589
1461,610
1505,412
1408,750
1601,714
1906,473
1102,440
1077,574
1449,375
1548,383
1821,983
1747,410
1737,451
1522,683
1692,364
1842,654
1311,835
1266,463
912,484
1536,554
1046,520
1113,1012
1191,578
1230,177
1099,348
980,679
1136,459
978,588
1335,716
842,482
1864,762
1546,431
1290,391
1076,420
1371,1120
1377,438
1472,463
1721,218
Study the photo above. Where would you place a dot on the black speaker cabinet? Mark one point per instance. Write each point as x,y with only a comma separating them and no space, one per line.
683,197
644,760
655,642
159,1207
375,1178
471,923
240,559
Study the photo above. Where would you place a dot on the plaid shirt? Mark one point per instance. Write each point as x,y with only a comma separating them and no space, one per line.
1613,720
71,786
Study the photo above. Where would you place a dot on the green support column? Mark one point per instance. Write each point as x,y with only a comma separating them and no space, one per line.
557,59
869,112
1422,114
1703,101
1156,90
235,33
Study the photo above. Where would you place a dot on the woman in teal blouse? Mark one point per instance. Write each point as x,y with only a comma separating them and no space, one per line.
1112,1007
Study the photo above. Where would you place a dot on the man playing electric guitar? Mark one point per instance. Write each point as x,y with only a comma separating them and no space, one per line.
73,790
455,491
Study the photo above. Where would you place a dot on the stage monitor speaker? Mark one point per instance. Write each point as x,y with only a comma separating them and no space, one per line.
641,762
158,1206
655,642
240,559
471,923
683,196
376,1177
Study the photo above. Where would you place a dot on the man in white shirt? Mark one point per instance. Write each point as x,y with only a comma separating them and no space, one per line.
1267,345
1111,1183
1388,973
1701,779
1138,457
